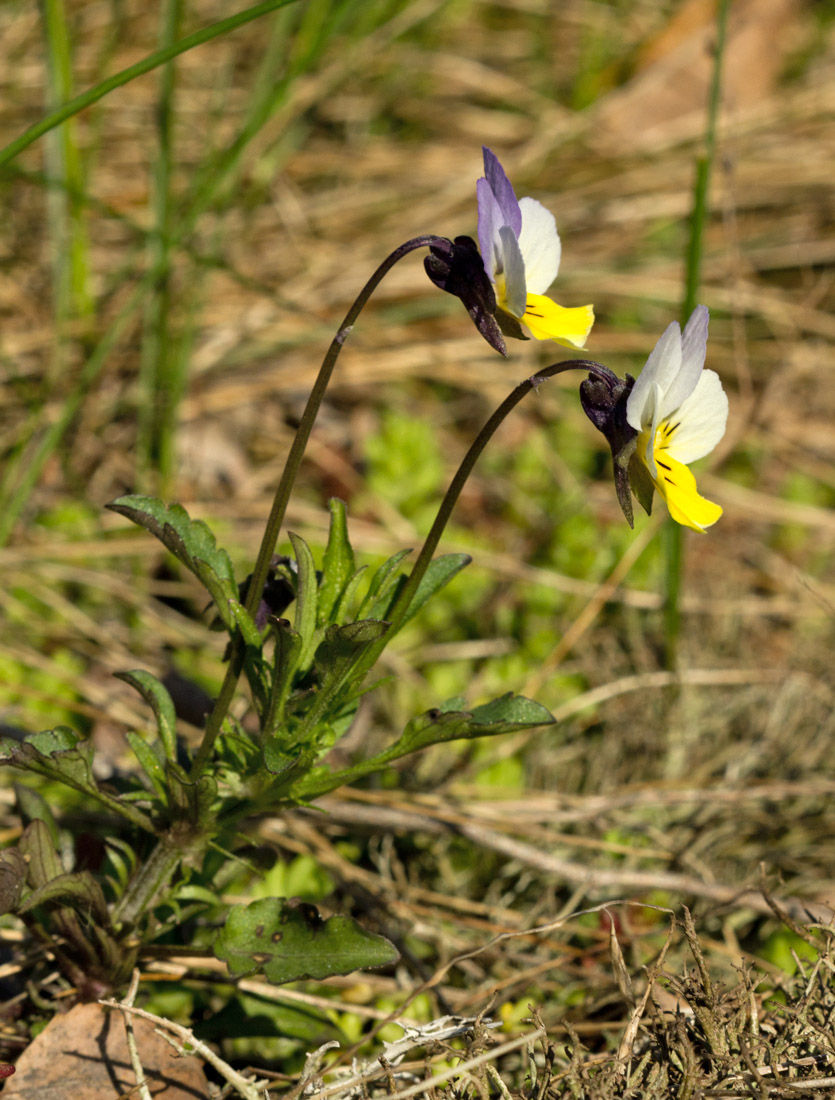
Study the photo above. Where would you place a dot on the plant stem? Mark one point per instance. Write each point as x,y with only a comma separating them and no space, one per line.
400,607
153,875
285,487
673,538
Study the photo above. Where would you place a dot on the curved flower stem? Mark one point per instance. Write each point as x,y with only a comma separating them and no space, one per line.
285,486
401,605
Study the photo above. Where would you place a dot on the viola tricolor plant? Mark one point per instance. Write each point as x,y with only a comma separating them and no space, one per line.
305,635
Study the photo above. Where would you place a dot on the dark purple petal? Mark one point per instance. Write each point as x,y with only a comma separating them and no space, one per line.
503,191
603,396
456,267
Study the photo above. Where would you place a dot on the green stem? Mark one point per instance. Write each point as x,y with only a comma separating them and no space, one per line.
674,535
401,605
285,487
153,875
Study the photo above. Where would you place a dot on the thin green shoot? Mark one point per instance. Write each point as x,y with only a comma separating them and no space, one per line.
673,534
65,214
146,65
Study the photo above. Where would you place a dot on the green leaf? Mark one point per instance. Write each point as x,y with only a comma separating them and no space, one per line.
337,565
447,723
193,799
58,754
255,1017
438,574
306,600
286,767
32,806
61,754
12,877
190,541
290,942
380,585
288,651
149,761
503,715
156,696
78,889
341,650
342,611
36,847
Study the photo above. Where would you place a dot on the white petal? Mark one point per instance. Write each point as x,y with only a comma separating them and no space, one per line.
702,419
652,407
516,295
693,350
661,368
539,243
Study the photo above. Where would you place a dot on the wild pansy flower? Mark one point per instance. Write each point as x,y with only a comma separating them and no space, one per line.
521,250
675,413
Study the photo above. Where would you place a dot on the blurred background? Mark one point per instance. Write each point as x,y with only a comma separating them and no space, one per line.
173,264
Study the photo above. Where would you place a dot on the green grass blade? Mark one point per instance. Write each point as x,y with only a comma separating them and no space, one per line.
146,65
674,534
65,214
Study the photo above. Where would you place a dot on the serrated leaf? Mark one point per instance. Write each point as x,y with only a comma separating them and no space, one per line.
57,753
337,564
242,619
289,941
158,699
191,541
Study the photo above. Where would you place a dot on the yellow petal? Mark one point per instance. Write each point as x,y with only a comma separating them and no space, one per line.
548,321
677,486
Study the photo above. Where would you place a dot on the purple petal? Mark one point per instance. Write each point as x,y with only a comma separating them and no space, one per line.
489,223
503,191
